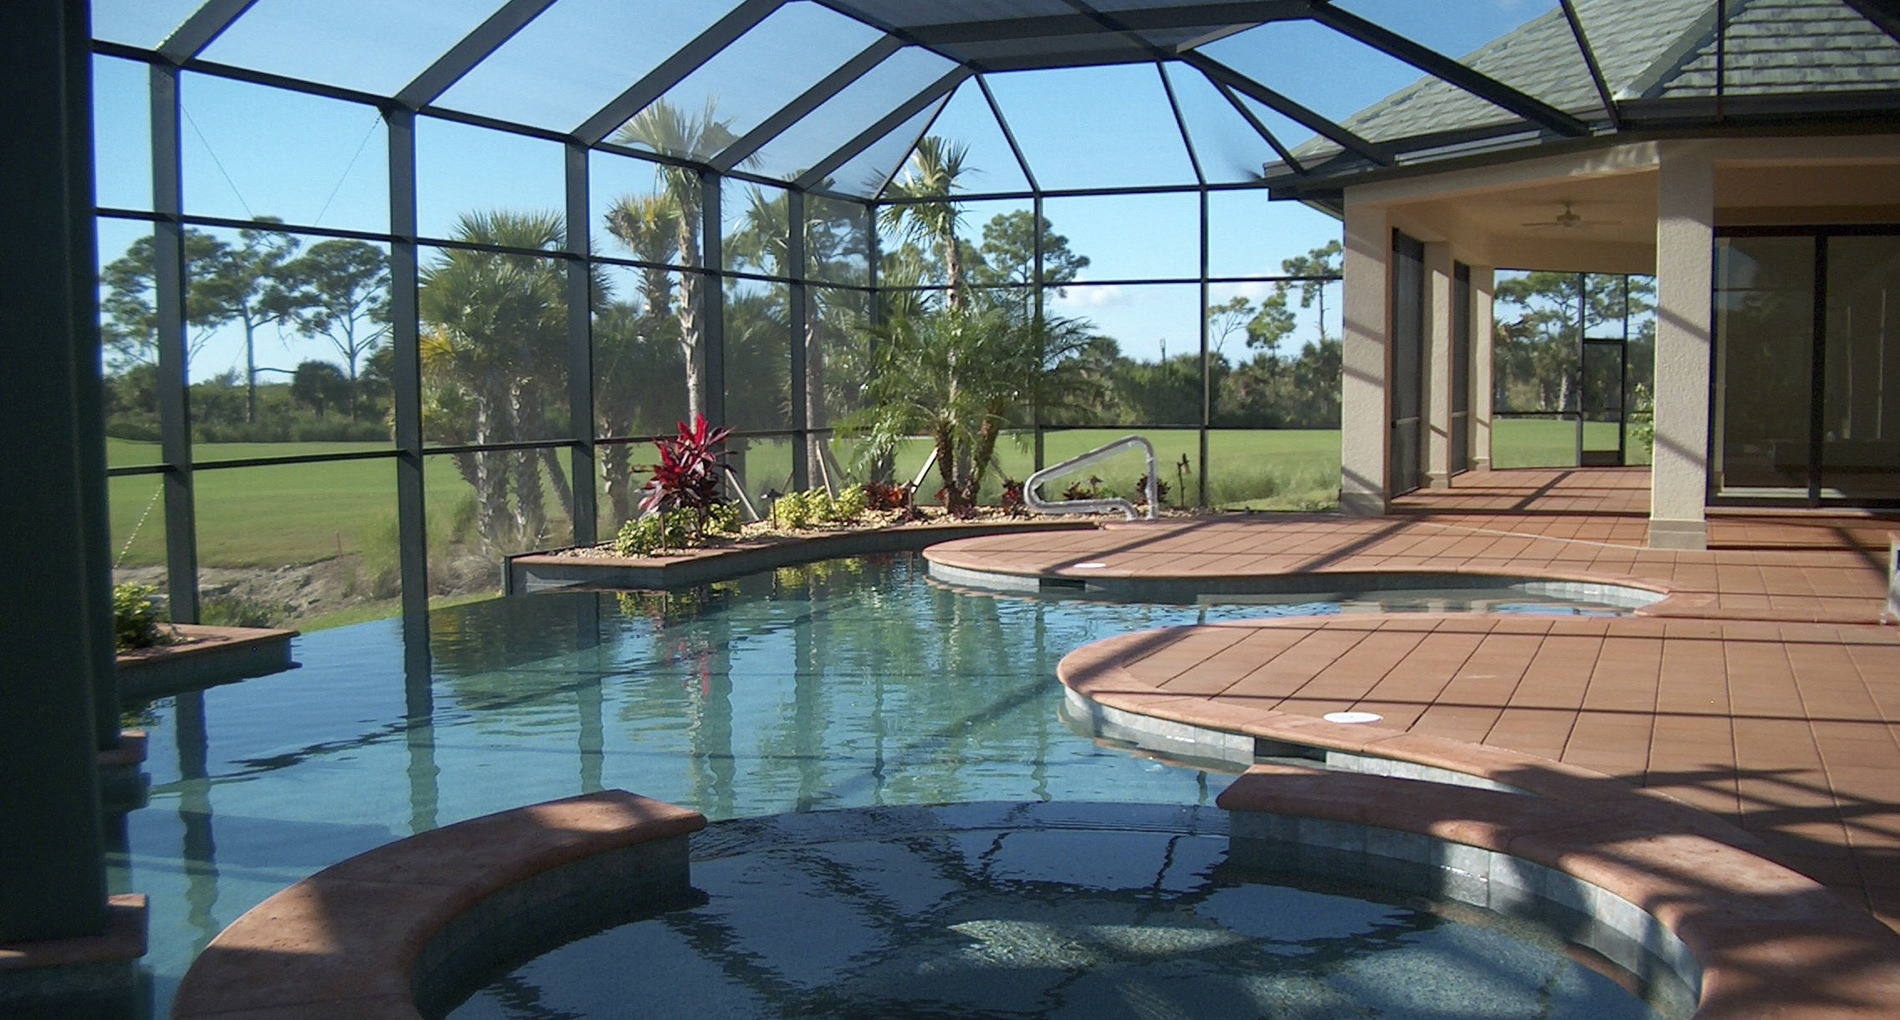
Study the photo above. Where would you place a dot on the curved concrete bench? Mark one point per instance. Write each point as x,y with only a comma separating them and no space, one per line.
1755,938
403,930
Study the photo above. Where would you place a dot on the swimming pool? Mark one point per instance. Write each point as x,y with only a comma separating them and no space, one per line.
848,683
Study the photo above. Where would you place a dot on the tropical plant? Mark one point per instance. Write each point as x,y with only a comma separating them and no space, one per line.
1012,500
886,496
852,503
688,475
1141,491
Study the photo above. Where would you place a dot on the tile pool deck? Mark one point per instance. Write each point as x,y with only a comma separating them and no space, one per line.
1763,689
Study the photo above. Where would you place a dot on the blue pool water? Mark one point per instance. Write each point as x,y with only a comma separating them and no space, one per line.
1098,912
852,683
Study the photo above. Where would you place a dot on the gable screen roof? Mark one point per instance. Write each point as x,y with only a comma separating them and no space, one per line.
1453,76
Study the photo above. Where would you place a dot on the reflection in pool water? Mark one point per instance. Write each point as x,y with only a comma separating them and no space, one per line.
843,684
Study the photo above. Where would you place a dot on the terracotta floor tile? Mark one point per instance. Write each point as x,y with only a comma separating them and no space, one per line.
1709,701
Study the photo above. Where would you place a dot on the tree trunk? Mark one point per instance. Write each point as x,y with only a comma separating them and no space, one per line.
491,482
563,492
616,470
691,287
984,451
945,444
530,498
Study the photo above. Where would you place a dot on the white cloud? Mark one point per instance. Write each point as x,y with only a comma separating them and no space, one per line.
1109,296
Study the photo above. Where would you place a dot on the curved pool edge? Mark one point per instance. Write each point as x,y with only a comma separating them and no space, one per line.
1774,942
1131,585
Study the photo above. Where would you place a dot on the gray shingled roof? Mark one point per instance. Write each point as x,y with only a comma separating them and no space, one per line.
1781,46
1656,49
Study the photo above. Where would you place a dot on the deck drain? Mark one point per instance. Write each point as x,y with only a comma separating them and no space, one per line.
1353,717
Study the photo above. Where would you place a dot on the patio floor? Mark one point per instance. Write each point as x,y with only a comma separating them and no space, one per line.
1764,689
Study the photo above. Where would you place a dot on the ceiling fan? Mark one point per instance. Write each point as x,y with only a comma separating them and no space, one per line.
1568,220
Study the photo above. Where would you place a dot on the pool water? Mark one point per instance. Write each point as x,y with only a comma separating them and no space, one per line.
849,683
1103,916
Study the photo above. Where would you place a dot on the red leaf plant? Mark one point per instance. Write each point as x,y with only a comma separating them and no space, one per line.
689,472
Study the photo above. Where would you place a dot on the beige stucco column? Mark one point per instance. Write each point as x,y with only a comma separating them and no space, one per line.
1437,364
1365,428
1685,239
1483,292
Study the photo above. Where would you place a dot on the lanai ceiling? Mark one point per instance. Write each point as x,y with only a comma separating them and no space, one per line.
1066,95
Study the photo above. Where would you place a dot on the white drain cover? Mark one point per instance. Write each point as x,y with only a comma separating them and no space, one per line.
1353,717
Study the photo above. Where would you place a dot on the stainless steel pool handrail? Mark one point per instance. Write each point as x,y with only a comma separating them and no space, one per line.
1033,500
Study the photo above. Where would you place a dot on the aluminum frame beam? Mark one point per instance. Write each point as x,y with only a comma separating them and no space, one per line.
889,122
474,48
791,113
202,29
1202,15
675,69
1323,126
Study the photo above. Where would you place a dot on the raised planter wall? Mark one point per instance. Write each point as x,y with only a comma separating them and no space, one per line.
545,571
213,655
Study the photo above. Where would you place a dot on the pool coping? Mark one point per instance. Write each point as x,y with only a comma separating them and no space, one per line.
400,931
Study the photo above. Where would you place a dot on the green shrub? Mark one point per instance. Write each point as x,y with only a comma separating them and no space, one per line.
135,622
851,504
674,529
796,510
662,529
722,519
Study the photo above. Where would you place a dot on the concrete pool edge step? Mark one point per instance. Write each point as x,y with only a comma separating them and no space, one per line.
400,931
550,570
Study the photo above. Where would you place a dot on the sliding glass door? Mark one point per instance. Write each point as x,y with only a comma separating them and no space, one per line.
1807,361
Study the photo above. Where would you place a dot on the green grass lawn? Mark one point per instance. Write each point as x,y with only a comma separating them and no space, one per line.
277,514
302,513
1279,469
1540,442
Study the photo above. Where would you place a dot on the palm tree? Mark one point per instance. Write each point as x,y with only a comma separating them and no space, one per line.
935,170
669,130
960,375
626,335
487,316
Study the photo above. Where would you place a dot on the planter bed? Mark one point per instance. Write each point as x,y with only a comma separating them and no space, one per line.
203,657
597,567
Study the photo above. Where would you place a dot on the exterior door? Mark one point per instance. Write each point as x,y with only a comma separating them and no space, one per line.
1408,348
1601,440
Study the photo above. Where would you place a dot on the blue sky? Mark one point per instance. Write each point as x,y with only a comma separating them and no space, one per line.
1078,128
